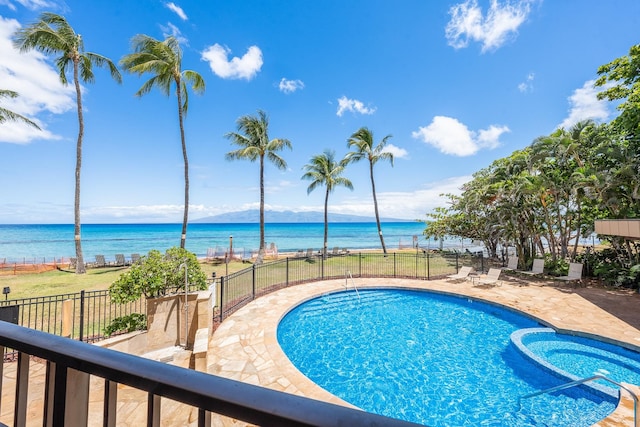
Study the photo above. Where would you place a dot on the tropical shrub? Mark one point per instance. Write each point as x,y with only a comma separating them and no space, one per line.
124,324
157,274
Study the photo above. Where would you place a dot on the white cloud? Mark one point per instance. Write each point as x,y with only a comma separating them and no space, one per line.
30,4
37,84
527,85
245,67
493,30
402,204
352,105
398,153
584,104
290,86
453,137
172,30
177,10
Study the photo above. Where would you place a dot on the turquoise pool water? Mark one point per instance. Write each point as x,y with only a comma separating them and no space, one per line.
579,357
433,359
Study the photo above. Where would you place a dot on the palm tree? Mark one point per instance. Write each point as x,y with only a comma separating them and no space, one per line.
163,59
362,141
52,34
325,170
10,116
253,139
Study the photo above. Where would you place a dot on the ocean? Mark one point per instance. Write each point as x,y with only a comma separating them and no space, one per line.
38,243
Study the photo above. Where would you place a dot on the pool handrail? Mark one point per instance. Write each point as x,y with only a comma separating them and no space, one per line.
347,275
585,380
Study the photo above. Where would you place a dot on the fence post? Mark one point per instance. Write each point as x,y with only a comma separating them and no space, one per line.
457,266
481,263
81,315
221,295
359,264
322,265
428,266
287,272
67,318
395,273
253,282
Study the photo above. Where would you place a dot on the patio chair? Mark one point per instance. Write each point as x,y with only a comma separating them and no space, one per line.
462,274
537,268
492,277
100,261
575,273
120,261
135,258
512,264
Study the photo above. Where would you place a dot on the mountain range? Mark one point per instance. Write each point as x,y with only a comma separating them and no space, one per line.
253,216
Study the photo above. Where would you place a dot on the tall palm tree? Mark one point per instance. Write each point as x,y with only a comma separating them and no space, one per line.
362,141
10,116
253,139
323,169
163,59
53,35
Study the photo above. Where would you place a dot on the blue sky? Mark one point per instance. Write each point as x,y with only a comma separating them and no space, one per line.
458,84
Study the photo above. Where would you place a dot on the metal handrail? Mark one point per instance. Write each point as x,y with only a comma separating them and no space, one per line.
348,275
585,380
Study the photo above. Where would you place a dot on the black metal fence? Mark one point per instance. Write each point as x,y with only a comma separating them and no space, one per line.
89,312
238,289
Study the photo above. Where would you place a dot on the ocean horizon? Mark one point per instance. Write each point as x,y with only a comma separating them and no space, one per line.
45,242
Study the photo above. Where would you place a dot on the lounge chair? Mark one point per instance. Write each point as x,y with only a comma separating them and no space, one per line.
492,277
462,274
575,273
135,258
100,261
512,264
120,261
309,253
336,251
538,267
299,254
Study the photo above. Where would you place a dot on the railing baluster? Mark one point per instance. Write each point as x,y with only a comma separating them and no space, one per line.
22,390
153,410
110,403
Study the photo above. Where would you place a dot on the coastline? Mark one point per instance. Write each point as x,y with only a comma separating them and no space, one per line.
54,242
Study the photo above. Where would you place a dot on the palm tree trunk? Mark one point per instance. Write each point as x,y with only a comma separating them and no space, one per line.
80,267
375,206
261,204
326,222
185,216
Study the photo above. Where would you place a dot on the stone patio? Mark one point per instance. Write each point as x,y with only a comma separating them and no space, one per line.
244,347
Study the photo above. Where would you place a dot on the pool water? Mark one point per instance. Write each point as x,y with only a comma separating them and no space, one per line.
579,357
434,359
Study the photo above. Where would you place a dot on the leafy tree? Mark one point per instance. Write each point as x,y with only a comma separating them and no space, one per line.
323,169
620,79
163,59
362,143
8,115
157,274
53,35
252,137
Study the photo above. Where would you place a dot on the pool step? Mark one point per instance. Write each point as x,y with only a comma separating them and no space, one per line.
350,299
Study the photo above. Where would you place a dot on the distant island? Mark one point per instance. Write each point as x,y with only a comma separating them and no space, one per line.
253,216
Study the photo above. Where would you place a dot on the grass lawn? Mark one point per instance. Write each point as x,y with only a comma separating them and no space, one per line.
56,282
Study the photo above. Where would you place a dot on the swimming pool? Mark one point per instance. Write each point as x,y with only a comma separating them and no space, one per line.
434,359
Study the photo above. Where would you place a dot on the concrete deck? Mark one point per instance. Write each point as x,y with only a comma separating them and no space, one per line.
244,347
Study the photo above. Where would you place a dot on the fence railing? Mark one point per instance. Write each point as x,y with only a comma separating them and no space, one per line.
240,288
89,312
